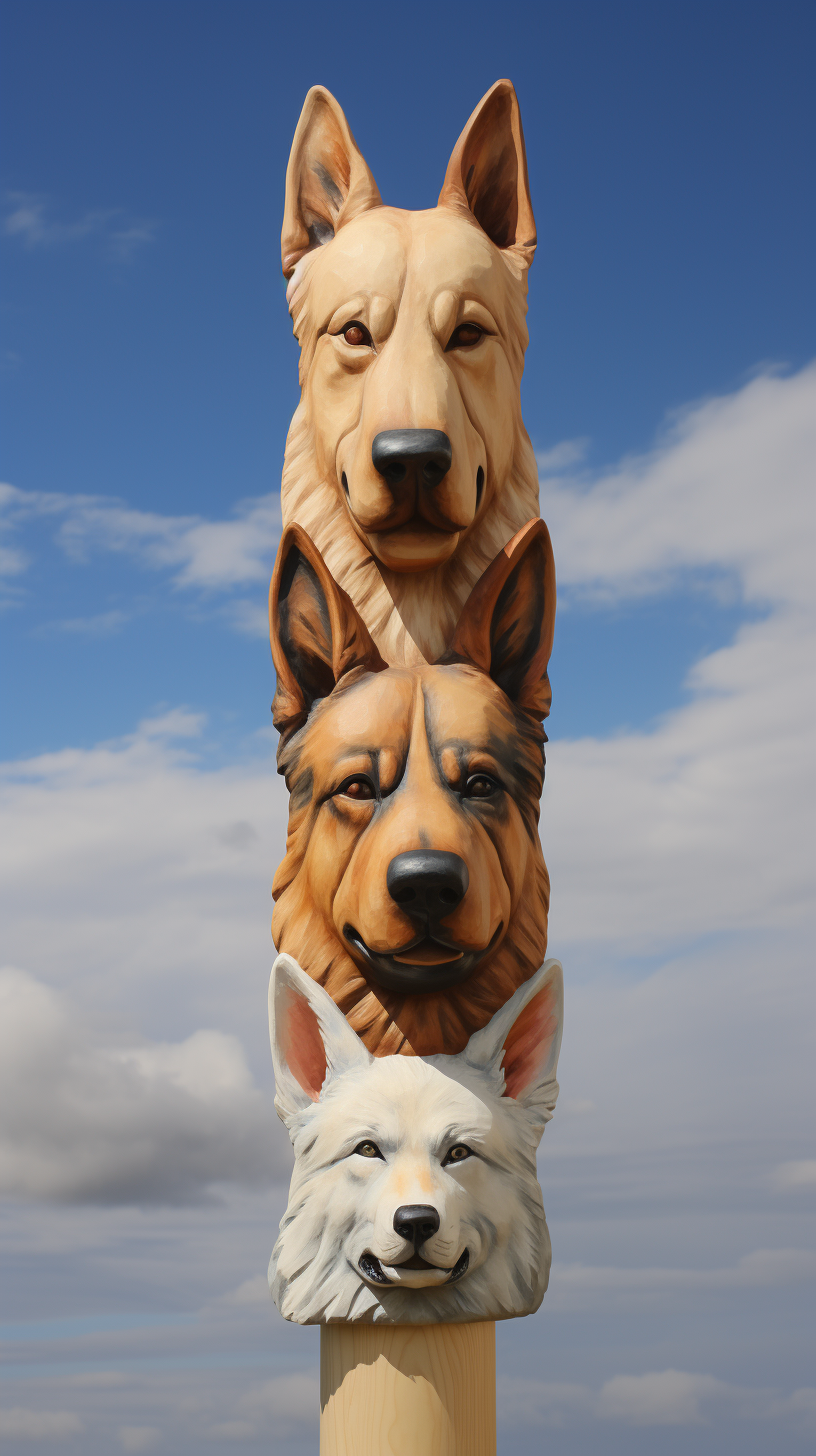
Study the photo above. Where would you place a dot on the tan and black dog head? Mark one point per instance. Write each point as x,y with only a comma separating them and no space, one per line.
408,463
413,887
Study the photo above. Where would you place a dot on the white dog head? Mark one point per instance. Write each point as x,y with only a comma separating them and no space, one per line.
414,1198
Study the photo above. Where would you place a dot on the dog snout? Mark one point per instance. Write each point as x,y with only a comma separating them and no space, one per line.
416,1222
427,884
425,455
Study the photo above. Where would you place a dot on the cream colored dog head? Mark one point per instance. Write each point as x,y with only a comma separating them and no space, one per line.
408,454
414,1197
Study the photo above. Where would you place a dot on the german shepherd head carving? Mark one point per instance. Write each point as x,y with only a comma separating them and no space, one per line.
407,461
413,887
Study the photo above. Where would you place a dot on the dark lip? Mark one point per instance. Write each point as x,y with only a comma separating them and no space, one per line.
394,975
373,1269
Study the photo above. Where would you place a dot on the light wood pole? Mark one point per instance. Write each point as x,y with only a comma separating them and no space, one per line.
408,1390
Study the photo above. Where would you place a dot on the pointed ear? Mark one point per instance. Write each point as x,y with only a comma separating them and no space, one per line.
507,625
311,1040
524,1039
315,631
487,176
327,180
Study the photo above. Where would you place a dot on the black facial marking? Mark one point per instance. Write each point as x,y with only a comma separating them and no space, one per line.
301,790
328,184
300,588
512,655
320,232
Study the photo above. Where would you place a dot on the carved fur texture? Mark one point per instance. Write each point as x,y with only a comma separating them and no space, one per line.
452,1139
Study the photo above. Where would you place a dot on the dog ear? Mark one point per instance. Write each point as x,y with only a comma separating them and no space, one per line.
311,1040
327,180
315,631
507,625
523,1039
487,176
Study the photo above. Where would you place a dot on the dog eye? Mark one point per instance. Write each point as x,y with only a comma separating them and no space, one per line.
357,789
357,334
465,336
480,786
457,1154
368,1149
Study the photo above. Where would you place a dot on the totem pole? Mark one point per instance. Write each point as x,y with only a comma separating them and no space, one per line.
415,1022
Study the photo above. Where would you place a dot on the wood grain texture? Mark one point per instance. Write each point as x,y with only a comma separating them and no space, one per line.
426,1390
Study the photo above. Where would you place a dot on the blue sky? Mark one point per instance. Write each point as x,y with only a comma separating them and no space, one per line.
149,375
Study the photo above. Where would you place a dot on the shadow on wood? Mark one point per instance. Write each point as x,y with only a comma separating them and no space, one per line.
422,1390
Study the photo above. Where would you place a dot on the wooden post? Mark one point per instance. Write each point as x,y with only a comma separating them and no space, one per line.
408,1390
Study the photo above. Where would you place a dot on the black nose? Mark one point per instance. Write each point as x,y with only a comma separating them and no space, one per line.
416,1222
426,454
427,884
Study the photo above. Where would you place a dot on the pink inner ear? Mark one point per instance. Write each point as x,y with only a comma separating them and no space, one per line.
529,1041
302,1045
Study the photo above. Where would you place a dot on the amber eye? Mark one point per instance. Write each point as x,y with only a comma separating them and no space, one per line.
368,1150
358,789
480,786
457,1154
465,336
356,334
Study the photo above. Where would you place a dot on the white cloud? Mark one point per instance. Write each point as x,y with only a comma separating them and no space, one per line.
17,1423
579,1286
198,553
153,1123
288,1399
656,1398
728,488
793,1176
102,624
138,1438
667,1398
29,220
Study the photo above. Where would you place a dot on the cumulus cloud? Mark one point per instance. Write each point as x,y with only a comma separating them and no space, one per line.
705,823
729,487
153,1123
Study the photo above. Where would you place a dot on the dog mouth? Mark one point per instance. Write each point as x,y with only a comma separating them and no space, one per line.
414,1272
428,963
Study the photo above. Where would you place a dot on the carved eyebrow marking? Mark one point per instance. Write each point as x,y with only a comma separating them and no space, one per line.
302,789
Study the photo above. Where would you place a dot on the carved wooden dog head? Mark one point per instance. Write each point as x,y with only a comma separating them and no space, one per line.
407,462
413,887
414,1196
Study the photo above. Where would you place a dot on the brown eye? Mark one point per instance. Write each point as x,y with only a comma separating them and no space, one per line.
356,335
457,1154
480,786
368,1150
465,336
358,789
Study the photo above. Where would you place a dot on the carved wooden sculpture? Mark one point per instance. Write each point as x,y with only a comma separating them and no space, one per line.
414,1198
407,461
415,1030
414,887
